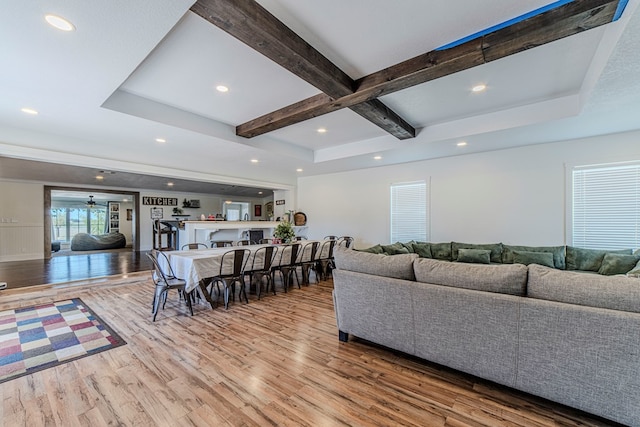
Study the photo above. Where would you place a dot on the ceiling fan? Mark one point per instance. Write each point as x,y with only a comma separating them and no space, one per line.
91,203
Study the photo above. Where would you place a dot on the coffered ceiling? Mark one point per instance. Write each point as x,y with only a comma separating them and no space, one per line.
132,72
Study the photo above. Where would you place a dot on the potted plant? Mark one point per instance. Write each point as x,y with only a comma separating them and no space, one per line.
284,232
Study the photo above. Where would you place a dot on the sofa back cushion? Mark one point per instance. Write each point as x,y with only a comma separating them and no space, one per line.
500,278
396,266
495,248
508,253
594,290
588,259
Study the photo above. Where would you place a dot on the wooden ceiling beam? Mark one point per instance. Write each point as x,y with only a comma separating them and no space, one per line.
569,19
253,25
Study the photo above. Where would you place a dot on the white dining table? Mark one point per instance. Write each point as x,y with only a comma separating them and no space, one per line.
193,266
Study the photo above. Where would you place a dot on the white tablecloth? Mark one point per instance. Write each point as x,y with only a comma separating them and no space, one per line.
195,265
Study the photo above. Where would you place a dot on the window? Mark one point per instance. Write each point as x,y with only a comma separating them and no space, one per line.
606,206
409,212
68,221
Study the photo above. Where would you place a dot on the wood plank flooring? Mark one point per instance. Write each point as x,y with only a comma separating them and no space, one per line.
274,362
78,266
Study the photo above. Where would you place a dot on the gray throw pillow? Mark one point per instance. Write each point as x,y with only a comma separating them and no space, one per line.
617,264
526,258
476,256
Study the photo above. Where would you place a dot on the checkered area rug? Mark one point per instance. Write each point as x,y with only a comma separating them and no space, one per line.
43,336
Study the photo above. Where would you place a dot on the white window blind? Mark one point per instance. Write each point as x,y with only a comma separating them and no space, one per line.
409,212
606,206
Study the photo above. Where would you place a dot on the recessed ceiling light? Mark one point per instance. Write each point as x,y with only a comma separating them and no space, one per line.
299,170
59,22
478,88
377,158
29,111
228,202
259,192
161,140
254,160
99,177
461,143
222,88
125,200
321,130
170,184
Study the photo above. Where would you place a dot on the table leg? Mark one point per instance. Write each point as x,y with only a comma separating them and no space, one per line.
205,293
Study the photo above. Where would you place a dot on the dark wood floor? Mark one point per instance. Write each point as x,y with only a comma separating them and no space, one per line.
69,268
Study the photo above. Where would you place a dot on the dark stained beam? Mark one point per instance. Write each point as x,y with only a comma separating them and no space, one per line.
564,21
253,25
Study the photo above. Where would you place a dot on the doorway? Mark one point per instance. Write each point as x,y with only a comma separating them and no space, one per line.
89,210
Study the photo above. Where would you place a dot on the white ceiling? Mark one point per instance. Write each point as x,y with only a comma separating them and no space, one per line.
136,71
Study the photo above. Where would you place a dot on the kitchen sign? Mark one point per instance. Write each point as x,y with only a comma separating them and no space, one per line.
159,201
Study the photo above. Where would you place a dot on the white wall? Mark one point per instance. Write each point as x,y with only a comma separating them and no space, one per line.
515,196
21,221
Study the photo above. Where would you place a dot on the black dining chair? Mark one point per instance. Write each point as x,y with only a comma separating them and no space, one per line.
232,266
165,280
191,246
265,241
287,264
345,241
261,268
245,242
325,262
307,261
330,237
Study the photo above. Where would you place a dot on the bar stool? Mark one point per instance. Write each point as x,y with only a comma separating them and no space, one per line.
161,229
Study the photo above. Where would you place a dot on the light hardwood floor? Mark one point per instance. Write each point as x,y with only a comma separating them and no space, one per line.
276,361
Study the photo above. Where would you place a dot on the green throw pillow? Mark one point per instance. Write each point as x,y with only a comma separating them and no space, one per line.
495,248
588,259
557,251
477,256
636,270
540,258
617,264
377,249
395,249
441,251
422,249
409,245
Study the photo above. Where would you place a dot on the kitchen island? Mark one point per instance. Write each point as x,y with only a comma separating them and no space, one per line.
205,231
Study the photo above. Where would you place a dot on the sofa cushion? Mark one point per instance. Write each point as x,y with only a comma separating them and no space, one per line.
495,248
588,259
557,251
526,258
423,249
377,249
397,266
617,264
501,278
395,249
478,256
612,292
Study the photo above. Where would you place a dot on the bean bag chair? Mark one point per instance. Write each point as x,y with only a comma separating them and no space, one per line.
90,242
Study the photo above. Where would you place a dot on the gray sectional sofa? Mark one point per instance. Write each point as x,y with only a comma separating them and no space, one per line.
568,336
